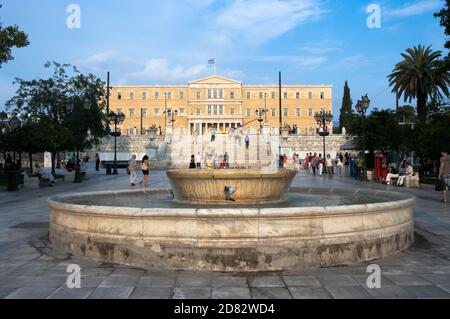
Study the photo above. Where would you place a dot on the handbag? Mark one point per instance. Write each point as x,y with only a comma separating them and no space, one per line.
440,185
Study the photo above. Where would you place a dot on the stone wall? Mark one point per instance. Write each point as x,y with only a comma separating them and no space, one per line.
175,151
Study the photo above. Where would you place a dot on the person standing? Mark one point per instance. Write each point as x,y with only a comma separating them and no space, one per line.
226,159
132,169
247,141
329,164
444,173
97,162
198,160
145,171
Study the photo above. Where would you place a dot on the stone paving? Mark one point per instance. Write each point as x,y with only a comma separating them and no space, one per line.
27,271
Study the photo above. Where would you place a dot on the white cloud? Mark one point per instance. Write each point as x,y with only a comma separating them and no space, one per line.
298,61
257,21
96,59
159,69
413,9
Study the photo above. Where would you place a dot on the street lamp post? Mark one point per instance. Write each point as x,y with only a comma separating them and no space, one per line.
361,107
13,171
116,119
165,112
323,119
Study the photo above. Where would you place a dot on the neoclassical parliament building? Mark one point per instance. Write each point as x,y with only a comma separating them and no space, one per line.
218,102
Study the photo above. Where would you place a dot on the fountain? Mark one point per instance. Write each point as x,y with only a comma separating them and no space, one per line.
232,220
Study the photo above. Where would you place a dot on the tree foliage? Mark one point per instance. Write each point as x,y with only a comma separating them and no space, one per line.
420,75
346,111
71,105
10,37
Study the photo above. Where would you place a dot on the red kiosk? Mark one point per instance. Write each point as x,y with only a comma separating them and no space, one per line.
381,165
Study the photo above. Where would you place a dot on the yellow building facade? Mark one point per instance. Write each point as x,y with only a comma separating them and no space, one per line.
218,102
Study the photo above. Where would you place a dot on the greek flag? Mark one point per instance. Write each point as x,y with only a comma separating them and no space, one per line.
212,61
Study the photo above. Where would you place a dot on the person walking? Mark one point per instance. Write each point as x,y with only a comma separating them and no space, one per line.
132,170
145,171
341,166
444,173
321,164
314,164
247,141
329,165
97,162
198,160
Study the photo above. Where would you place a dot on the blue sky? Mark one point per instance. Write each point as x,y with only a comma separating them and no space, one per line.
170,42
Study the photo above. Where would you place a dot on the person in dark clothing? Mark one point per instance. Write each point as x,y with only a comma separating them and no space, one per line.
97,162
192,163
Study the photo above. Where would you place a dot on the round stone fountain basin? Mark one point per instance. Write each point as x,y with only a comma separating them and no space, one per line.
251,185
331,227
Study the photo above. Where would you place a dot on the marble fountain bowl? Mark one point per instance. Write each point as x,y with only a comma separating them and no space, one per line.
312,227
228,185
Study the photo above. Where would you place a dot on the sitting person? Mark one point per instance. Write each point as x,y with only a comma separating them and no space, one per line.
392,173
43,177
192,162
409,171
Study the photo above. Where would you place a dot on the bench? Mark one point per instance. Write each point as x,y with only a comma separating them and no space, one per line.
31,182
410,181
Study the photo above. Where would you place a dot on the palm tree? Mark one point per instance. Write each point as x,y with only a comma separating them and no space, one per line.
419,76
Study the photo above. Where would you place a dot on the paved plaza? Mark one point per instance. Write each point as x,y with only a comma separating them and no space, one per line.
28,268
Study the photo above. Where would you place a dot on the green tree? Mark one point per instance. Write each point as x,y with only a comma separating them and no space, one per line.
10,37
346,108
419,76
57,100
444,16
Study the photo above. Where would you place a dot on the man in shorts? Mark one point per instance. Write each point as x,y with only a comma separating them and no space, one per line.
444,173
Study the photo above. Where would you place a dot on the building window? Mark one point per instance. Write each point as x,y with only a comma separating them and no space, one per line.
119,96
220,109
144,112
209,109
131,95
131,112
249,95
297,95
119,111
215,93
274,95
261,95
285,112
249,112
322,95
144,95
198,95
156,95
232,111
221,94
181,95
310,112
169,95
298,112
198,111
274,112
156,112
310,95
232,95
285,95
